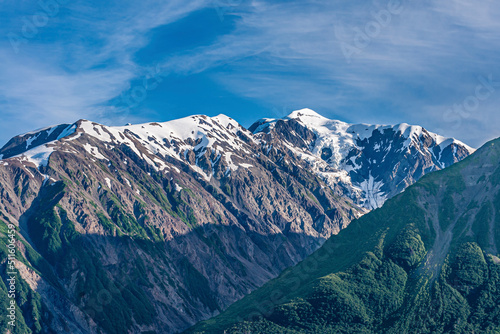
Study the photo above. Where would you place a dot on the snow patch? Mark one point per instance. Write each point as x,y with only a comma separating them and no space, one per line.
39,156
264,124
230,162
31,139
94,151
373,194
45,179
68,131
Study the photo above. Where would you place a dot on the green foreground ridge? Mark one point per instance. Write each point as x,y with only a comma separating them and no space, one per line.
427,262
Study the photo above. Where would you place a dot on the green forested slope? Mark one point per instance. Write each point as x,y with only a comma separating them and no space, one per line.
427,262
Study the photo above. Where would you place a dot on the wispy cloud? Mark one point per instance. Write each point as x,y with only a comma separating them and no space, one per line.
427,55
77,62
409,61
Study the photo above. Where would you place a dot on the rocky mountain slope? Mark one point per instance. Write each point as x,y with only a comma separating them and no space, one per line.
370,163
426,262
153,227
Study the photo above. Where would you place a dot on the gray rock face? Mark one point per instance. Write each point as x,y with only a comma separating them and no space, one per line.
154,227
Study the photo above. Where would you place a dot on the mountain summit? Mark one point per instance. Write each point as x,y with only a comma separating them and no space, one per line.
305,113
371,163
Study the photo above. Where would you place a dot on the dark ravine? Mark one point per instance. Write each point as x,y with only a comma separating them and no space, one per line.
151,228
426,262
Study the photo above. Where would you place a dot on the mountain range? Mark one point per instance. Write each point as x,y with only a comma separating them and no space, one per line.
153,227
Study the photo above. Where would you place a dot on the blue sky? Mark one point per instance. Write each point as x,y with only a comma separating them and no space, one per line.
430,63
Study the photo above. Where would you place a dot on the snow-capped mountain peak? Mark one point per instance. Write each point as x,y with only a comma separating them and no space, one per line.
372,162
368,163
305,114
200,140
